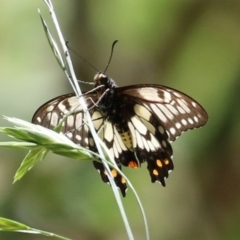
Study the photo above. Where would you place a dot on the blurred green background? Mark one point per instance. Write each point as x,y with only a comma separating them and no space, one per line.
193,46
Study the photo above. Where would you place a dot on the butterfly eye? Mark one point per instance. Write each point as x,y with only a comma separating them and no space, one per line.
137,124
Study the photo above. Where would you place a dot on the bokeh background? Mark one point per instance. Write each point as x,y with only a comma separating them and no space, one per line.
193,46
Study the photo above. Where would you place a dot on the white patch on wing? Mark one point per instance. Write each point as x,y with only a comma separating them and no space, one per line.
178,125
139,125
184,122
142,112
50,108
39,119
85,127
116,143
190,121
158,112
62,108
74,104
70,121
78,121
108,131
145,144
195,119
100,132
139,139
115,151
172,130
183,105
166,96
151,146
111,152
172,109
53,117
149,126
97,119
166,111
155,142
176,94
194,104
150,94
180,109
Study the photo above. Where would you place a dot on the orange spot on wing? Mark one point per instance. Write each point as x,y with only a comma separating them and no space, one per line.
132,164
155,172
166,161
114,173
159,163
123,180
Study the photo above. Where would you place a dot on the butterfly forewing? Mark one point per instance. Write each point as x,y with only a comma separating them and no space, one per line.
66,110
175,111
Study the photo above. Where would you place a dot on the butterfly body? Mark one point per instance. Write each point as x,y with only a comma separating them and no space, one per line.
137,123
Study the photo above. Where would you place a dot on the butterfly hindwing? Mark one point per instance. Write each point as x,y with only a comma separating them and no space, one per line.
108,133
148,142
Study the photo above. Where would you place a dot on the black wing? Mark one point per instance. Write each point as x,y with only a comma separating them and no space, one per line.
66,108
155,116
143,119
175,111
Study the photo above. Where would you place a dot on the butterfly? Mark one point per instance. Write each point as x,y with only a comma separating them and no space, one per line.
137,123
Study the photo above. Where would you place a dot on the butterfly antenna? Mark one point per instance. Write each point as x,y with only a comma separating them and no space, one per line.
89,64
110,55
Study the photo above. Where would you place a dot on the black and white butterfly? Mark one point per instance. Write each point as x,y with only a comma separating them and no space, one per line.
137,123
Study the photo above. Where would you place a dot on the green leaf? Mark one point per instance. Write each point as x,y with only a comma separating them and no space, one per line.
24,145
41,136
17,133
40,141
29,161
75,154
53,44
9,225
13,226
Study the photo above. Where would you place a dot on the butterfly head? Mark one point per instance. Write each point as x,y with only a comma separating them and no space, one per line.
102,79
